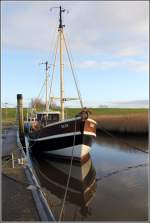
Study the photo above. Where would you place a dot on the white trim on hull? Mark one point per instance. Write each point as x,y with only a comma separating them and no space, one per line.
68,120
63,135
89,133
79,151
62,121
55,136
91,120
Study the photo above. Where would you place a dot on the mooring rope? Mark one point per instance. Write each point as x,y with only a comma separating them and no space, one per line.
69,175
122,140
120,171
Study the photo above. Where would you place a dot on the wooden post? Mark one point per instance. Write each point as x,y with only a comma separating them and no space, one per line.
20,117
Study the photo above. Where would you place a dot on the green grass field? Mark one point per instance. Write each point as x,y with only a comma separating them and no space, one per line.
106,111
113,119
71,112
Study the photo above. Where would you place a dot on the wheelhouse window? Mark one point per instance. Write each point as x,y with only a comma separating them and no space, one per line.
53,117
39,117
49,118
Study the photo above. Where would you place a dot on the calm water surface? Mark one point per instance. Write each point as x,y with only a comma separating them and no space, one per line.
111,186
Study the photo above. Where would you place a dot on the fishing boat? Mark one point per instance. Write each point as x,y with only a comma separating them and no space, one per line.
50,131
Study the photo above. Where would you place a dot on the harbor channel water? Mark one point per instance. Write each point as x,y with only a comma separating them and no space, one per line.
111,186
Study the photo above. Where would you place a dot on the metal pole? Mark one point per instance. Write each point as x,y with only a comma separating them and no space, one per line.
46,86
13,164
46,96
6,111
5,115
16,115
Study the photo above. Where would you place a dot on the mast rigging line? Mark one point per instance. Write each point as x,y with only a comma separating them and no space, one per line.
54,36
73,73
51,44
54,65
69,49
40,92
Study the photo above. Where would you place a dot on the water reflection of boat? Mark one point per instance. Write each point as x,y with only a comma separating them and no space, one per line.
53,176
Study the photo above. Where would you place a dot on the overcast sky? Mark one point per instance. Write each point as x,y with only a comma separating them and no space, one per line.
108,40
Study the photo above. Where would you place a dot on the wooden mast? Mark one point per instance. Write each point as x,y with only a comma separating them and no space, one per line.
61,40
61,63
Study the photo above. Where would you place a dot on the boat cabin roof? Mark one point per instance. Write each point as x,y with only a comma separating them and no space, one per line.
44,112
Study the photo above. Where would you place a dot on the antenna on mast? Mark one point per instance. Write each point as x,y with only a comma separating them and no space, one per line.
60,15
46,65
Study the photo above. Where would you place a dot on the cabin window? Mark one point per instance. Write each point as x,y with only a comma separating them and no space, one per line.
49,117
53,117
39,117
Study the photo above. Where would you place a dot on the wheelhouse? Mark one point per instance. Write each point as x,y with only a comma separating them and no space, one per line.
47,117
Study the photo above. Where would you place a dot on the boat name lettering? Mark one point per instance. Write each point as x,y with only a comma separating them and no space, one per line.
64,126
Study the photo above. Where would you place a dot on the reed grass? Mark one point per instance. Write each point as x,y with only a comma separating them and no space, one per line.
127,124
113,119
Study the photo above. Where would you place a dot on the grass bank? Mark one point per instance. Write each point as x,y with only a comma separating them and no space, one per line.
71,112
113,119
124,121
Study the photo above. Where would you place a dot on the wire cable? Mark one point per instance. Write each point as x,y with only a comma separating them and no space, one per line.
73,73
120,171
53,71
125,142
69,175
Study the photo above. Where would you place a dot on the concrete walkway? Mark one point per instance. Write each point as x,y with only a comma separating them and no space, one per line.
17,200
9,141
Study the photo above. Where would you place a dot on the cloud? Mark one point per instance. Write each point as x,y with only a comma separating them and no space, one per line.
95,27
130,104
128,52
139,66
88,64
